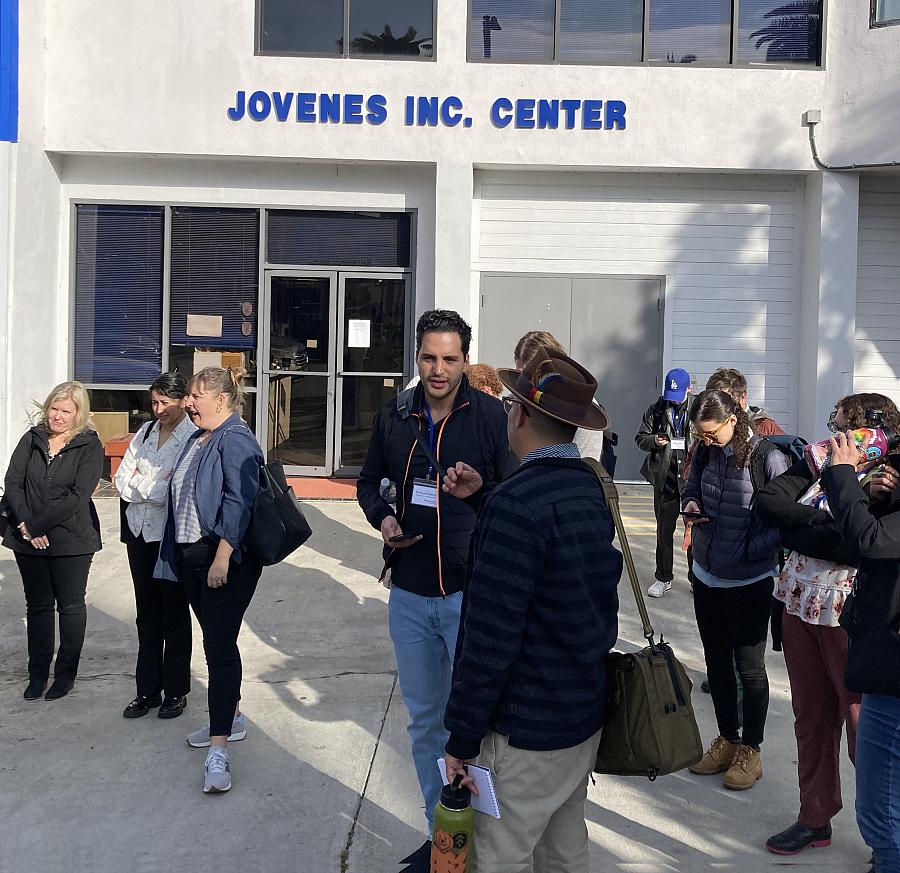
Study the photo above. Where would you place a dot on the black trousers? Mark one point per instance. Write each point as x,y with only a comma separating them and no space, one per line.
58,582
734,628
666,508
220,612
163,626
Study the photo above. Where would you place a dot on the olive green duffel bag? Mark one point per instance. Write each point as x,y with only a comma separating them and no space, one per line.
650,728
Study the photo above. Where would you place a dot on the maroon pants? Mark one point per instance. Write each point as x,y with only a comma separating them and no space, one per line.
816,657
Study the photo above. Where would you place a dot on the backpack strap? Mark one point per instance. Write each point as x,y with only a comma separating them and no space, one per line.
758,463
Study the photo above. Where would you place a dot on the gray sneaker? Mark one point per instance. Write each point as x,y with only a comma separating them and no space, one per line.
199,739
216,771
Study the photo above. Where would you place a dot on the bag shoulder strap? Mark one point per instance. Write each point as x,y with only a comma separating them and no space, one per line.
611,493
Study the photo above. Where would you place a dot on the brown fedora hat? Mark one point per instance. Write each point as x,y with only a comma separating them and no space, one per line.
554,384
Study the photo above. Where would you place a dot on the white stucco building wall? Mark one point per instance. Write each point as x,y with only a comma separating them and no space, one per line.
125,103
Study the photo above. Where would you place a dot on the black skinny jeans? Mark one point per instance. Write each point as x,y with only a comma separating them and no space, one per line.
666,508
59,582
734,629
220,612
163,626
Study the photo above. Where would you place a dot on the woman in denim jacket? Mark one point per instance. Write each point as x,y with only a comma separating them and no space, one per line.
211,496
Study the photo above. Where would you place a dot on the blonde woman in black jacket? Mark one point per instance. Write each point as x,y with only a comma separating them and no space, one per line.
53,529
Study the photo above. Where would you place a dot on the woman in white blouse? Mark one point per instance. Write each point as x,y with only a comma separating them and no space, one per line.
163,672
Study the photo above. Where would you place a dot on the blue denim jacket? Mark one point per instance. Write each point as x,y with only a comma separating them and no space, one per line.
225,490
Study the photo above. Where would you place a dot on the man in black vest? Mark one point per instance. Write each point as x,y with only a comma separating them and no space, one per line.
416,437
663,434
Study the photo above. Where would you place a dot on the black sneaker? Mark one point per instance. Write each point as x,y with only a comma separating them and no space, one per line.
141,705
172,707
35,689
59,688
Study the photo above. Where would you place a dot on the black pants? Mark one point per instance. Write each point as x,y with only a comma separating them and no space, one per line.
220,612
734,628
59,582
666,508
163,626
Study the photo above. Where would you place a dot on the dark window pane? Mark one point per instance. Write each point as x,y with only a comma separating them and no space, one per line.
298,420
687,31
381,304
136,404
511,30
363,397
304,26
601,30
391,27
300,324
214,288
785,33
370,239
887,10
118,294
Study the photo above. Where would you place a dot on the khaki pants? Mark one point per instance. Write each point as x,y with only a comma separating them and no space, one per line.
541,796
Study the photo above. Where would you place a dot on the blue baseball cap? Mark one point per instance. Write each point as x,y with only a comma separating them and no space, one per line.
677,383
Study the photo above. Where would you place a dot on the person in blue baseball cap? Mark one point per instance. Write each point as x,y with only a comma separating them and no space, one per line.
662,436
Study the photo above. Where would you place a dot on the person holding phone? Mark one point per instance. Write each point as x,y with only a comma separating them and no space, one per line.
662,436
417,437
735,562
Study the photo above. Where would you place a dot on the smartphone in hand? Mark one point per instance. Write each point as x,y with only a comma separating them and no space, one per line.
695,516
400,538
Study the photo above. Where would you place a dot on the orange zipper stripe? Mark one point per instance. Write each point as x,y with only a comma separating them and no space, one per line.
437,455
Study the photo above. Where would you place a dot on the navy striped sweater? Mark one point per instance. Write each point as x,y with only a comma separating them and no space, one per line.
539,613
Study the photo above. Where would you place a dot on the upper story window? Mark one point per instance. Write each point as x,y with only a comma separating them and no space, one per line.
346,28
885,12
707,32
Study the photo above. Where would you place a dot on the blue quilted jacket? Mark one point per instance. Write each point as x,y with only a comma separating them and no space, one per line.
734,543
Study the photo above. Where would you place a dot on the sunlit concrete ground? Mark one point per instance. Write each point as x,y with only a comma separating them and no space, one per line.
324,781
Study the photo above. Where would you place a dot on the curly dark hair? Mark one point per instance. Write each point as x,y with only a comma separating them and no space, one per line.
855,406
718,406
443,321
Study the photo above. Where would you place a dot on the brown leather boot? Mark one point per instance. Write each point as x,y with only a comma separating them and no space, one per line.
745,770
717,759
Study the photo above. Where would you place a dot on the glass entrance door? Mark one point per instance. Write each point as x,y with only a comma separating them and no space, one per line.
372,331
299,370
336,350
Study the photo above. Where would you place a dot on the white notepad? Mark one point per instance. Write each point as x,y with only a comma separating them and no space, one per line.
486,800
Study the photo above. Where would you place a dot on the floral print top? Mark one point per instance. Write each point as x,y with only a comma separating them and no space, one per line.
813,589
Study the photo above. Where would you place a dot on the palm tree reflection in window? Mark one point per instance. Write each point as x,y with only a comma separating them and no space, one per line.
385,43
488,23
792,34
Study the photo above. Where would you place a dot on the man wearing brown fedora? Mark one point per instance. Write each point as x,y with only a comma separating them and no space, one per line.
539,618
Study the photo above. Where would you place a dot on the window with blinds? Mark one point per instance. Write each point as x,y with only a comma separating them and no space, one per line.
118,294
604,31
214,288
348,239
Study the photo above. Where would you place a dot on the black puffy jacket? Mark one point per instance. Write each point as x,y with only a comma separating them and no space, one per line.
871,614
473,432
54,500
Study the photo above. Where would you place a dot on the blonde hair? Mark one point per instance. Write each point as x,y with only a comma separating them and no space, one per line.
77,393
527,346
218,380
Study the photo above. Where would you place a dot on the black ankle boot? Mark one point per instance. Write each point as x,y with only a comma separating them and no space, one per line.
59,688
35,689
797,837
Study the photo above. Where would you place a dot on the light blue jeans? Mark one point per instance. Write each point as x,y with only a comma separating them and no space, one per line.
878,779
423,630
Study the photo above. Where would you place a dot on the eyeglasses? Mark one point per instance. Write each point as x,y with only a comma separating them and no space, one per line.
708,436
508,404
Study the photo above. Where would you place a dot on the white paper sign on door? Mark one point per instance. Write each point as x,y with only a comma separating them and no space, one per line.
359,334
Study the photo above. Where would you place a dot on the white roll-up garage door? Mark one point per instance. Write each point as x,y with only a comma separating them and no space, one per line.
727,248
877,342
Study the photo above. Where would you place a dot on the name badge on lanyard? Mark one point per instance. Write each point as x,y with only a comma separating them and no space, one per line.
424,493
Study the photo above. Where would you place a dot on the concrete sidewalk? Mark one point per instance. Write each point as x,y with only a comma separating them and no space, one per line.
324,780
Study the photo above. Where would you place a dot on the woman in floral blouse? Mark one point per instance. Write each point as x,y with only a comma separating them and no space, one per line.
816,580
